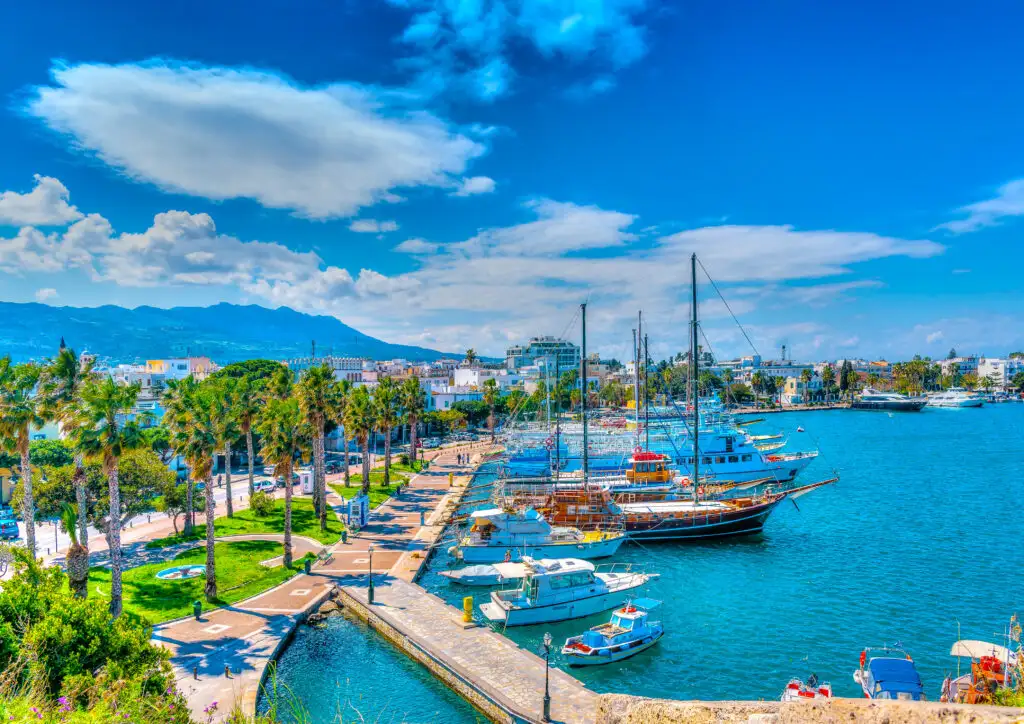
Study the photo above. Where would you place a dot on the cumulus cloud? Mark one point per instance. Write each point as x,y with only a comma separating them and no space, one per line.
32,250
223,133
45,205
372,226
43,295
475,185
1008,201
934,337
417,246
466,45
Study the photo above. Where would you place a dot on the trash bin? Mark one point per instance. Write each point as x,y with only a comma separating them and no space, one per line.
197,608
307,564
344,535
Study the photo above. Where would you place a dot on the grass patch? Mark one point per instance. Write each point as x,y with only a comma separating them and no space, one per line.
246,522
378,493
239,576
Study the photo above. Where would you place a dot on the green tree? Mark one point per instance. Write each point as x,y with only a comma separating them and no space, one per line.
173,501
50,453
158,439
970,380
491,395
76,560
285,434
318,397
413,403
613,394
99,433
1018,381
828,381
343,395
453,419
247,404
20,411
257,371
471,357
224,417
359,420
175,413
386,401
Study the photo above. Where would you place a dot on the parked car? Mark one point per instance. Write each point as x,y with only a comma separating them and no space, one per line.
264,486
9,529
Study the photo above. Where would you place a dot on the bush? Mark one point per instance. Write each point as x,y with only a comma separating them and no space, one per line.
403,459
262,504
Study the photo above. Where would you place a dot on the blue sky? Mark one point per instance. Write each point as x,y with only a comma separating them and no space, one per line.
456,173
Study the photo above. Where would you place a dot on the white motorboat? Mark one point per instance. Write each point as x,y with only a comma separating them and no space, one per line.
627,634
955,397
498,535
486,575
797,690
559,590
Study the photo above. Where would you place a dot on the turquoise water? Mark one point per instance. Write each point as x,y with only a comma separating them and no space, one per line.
922,530
344,672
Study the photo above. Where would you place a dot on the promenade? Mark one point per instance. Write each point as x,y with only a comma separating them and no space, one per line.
245,637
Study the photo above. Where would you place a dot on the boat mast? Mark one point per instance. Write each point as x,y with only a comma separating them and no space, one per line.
694,372
583,391
636,372
558,420
647,404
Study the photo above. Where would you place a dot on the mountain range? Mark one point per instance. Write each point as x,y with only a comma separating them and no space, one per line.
223,332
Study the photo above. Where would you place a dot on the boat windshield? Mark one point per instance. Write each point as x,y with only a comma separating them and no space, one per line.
571,580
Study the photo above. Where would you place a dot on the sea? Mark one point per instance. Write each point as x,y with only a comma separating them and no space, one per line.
917,545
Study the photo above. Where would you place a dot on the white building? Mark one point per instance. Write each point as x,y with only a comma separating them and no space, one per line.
345,368
565,353
966,365
476,377
442,398
1000,371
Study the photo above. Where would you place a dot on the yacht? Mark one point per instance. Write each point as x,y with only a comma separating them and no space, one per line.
871,399
497,535
955,397
559,590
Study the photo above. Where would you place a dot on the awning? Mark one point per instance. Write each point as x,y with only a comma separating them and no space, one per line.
976,649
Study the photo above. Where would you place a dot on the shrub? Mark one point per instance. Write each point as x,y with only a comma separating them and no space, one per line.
262,504
403,459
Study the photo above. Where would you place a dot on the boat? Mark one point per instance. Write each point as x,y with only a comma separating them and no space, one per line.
628,633
563,589
889,676
486,575
991,665
871,399
955,397
797,690
497,535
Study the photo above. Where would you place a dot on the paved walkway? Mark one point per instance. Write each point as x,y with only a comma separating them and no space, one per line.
248,635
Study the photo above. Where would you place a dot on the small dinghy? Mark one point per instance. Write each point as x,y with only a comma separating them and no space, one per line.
628,633
486,575
797,690
799,429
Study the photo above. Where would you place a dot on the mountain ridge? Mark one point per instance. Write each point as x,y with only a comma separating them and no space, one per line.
223,332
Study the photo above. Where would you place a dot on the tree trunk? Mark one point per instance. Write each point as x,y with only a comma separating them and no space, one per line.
77,563
387,456
28,506
288,518
315,465
174,522
366,465
413,452
114,539
211,571
227,478
490,422
252,462
348,475
189,507
320,474
83,520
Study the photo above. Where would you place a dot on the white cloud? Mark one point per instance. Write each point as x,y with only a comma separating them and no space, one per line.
44,294
1009,201
417,246
45,205
224,133
475,185
372,226
934,337
32,250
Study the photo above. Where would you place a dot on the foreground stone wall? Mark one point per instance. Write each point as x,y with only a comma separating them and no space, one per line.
621,709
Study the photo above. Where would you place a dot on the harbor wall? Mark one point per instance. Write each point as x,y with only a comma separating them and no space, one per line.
622,709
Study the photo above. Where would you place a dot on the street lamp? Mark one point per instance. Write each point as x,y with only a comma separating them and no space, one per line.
547,670
370,595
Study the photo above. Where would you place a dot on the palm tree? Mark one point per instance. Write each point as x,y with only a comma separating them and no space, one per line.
284,434
757,381
196,430
76,560
175,414
805,376
386,412
317,395
100,434
226,428
828,379
247,405
280,383
61,387
344,390
19,413
471,357
359,420
413,404
491,400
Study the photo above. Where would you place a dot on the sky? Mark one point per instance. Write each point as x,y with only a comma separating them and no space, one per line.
464,173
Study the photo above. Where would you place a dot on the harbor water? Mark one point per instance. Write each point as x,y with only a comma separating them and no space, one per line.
921,532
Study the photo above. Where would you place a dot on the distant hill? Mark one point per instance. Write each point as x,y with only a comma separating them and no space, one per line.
223,332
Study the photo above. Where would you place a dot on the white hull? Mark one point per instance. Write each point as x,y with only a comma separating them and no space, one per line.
497,554
596,659
956,404
555,612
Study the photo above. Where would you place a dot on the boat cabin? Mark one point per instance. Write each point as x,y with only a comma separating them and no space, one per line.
485,524
990,667
625,621
892,678
649,467
547,577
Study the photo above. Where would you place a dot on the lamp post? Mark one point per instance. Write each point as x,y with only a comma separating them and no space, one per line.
547,671
370,594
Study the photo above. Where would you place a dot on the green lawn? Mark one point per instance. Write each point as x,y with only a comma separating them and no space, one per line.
378,493
245,522
239,576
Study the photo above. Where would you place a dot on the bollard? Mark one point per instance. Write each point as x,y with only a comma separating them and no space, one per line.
467,609
197,608
344,535
307,564
451,479
227,670
422,519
